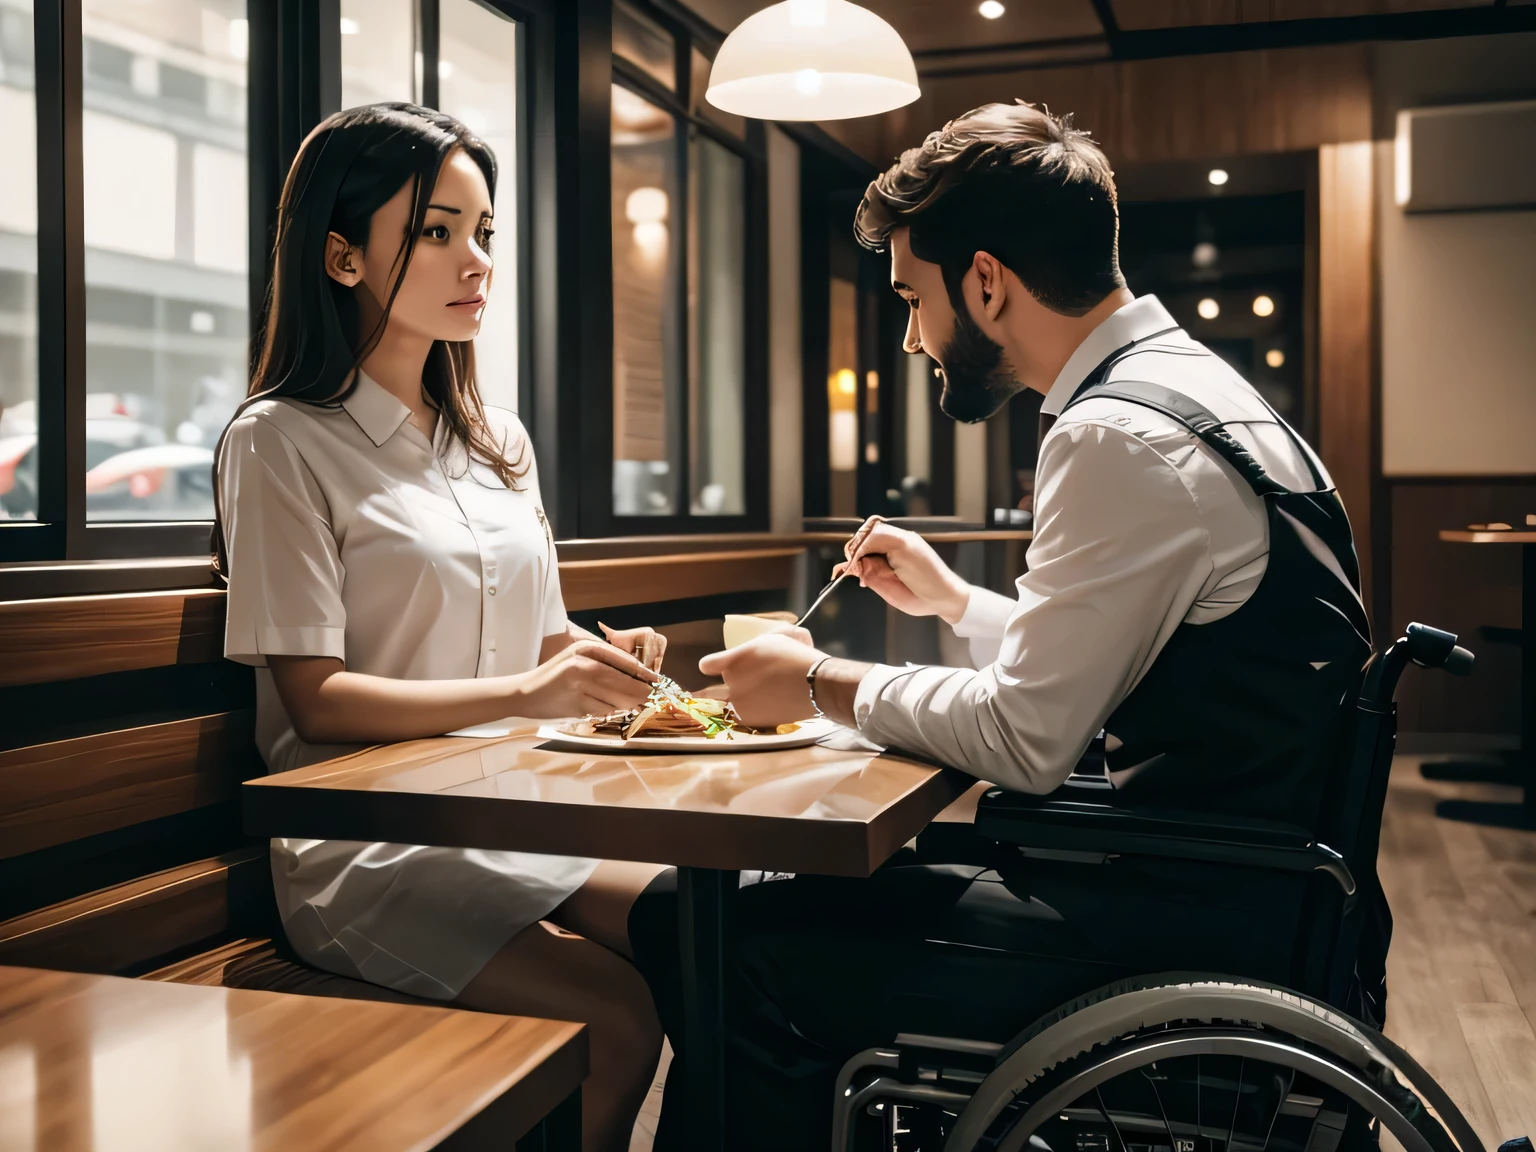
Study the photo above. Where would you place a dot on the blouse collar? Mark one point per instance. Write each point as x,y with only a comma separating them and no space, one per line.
377,413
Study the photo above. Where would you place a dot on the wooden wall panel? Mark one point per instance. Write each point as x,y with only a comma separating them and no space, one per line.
1183,108
62,639
1345,336
68,789
651,579
1460,587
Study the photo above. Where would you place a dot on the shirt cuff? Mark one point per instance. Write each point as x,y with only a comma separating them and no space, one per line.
303,640
986,615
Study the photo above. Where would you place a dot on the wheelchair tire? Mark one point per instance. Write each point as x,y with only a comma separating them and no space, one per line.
1131,1025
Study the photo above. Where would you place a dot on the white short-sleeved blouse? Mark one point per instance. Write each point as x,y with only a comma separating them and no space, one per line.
350,535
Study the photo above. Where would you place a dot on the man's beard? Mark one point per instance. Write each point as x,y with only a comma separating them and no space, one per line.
976,381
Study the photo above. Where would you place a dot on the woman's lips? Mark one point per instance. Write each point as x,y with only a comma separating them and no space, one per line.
469,302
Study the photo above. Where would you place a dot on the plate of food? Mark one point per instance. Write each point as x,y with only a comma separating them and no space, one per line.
673,720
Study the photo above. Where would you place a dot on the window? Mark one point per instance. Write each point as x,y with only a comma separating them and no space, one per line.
684,387
125,290
164,143
18,266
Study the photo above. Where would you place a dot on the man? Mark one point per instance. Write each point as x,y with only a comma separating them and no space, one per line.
1192,590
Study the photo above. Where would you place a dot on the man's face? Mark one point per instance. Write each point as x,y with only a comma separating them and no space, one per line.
977,378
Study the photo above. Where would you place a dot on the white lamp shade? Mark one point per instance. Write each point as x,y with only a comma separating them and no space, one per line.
812,60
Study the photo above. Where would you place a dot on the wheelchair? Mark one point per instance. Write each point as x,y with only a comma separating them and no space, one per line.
1188,1061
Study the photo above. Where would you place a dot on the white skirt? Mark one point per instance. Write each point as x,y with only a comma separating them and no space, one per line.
420,920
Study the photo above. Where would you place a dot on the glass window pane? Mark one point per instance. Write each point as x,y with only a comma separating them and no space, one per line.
378,52
646,375
645,43
717,311
478,77
165,250
18,266
735,125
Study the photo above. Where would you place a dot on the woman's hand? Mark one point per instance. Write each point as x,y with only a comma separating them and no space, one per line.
904,570
646,644
587,678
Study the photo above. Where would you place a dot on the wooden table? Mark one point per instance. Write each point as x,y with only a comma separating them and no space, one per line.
1526,540
101,1063
802,810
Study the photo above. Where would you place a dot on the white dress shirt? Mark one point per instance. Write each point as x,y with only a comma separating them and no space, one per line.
1139,527
351,535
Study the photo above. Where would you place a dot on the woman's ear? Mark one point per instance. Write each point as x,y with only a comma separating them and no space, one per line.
990,278
343,262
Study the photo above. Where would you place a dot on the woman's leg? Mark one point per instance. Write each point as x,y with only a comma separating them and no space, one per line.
548,972
599,909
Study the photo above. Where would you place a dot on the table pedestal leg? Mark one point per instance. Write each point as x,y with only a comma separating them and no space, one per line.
704,902
1528,680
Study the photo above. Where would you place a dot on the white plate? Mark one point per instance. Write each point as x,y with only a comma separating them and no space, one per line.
729,744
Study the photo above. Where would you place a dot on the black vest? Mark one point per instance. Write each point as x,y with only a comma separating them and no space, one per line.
1248,715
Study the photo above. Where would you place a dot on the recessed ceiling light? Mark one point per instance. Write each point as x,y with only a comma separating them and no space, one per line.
991,9
1217,176
1205,254
1263,306
1208,309
1274,358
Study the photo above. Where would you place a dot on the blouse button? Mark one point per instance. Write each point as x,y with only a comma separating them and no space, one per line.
491,590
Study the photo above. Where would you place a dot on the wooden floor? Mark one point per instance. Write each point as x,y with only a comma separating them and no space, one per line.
1462,969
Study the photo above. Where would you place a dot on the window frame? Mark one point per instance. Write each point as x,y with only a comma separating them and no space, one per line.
597,518
293,81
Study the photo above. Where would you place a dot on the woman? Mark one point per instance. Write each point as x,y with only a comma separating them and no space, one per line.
392,576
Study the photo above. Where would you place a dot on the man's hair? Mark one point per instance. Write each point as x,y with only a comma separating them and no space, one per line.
1013,181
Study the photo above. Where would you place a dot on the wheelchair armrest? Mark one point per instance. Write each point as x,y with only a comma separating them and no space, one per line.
1049,824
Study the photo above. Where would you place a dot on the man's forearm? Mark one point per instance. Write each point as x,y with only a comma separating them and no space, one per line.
837,688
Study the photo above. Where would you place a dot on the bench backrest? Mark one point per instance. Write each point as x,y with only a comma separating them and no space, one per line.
125,735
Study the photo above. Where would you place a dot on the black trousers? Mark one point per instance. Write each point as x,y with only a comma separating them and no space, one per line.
827,967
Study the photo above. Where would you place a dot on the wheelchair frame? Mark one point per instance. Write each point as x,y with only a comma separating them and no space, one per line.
1071,1050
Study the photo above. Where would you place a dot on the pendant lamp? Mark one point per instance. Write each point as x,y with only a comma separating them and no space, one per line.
812,60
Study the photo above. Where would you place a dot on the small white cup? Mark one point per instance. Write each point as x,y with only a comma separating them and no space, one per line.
739,629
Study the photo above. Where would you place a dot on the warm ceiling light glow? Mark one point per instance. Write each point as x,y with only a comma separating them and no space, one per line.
350,27
1204,255
991,9
812,60
1263,306
847,382
1208,309
1274,358
1217,176
1402,160
646,206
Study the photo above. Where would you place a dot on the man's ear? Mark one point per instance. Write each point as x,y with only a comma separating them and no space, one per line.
990,277
343,262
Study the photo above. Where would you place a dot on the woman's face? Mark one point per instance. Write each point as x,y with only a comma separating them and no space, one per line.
445,288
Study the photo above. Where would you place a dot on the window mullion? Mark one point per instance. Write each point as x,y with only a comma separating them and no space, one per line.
60,273
429,44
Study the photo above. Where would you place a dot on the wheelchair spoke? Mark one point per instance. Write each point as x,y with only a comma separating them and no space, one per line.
1173,1144
1237,1101
1108,1119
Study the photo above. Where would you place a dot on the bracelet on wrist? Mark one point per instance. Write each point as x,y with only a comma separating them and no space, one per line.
810,683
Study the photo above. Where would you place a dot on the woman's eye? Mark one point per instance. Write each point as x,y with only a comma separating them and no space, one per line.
436,232
485,238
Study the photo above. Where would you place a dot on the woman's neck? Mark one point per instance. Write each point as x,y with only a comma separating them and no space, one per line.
396,365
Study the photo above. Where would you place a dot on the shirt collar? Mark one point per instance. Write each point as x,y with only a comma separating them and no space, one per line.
377,413
1142,317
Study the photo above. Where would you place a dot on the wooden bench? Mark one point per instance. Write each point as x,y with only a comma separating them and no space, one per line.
184,1068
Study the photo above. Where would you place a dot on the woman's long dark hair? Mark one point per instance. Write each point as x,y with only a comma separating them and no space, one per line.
311,336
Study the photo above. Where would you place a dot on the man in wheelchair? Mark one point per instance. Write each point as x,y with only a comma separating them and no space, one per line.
1193,592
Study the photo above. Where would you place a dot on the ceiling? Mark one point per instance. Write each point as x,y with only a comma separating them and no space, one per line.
964,59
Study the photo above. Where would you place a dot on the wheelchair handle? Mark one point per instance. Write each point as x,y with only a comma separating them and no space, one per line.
1422,645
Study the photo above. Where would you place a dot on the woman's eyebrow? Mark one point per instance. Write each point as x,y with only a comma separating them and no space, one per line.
445,208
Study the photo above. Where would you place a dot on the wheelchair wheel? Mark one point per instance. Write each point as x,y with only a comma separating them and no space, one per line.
1203,1064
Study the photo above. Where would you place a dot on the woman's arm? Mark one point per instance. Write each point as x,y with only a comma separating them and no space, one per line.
329,705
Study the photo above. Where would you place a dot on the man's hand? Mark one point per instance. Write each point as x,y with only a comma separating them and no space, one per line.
765,677
905,571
